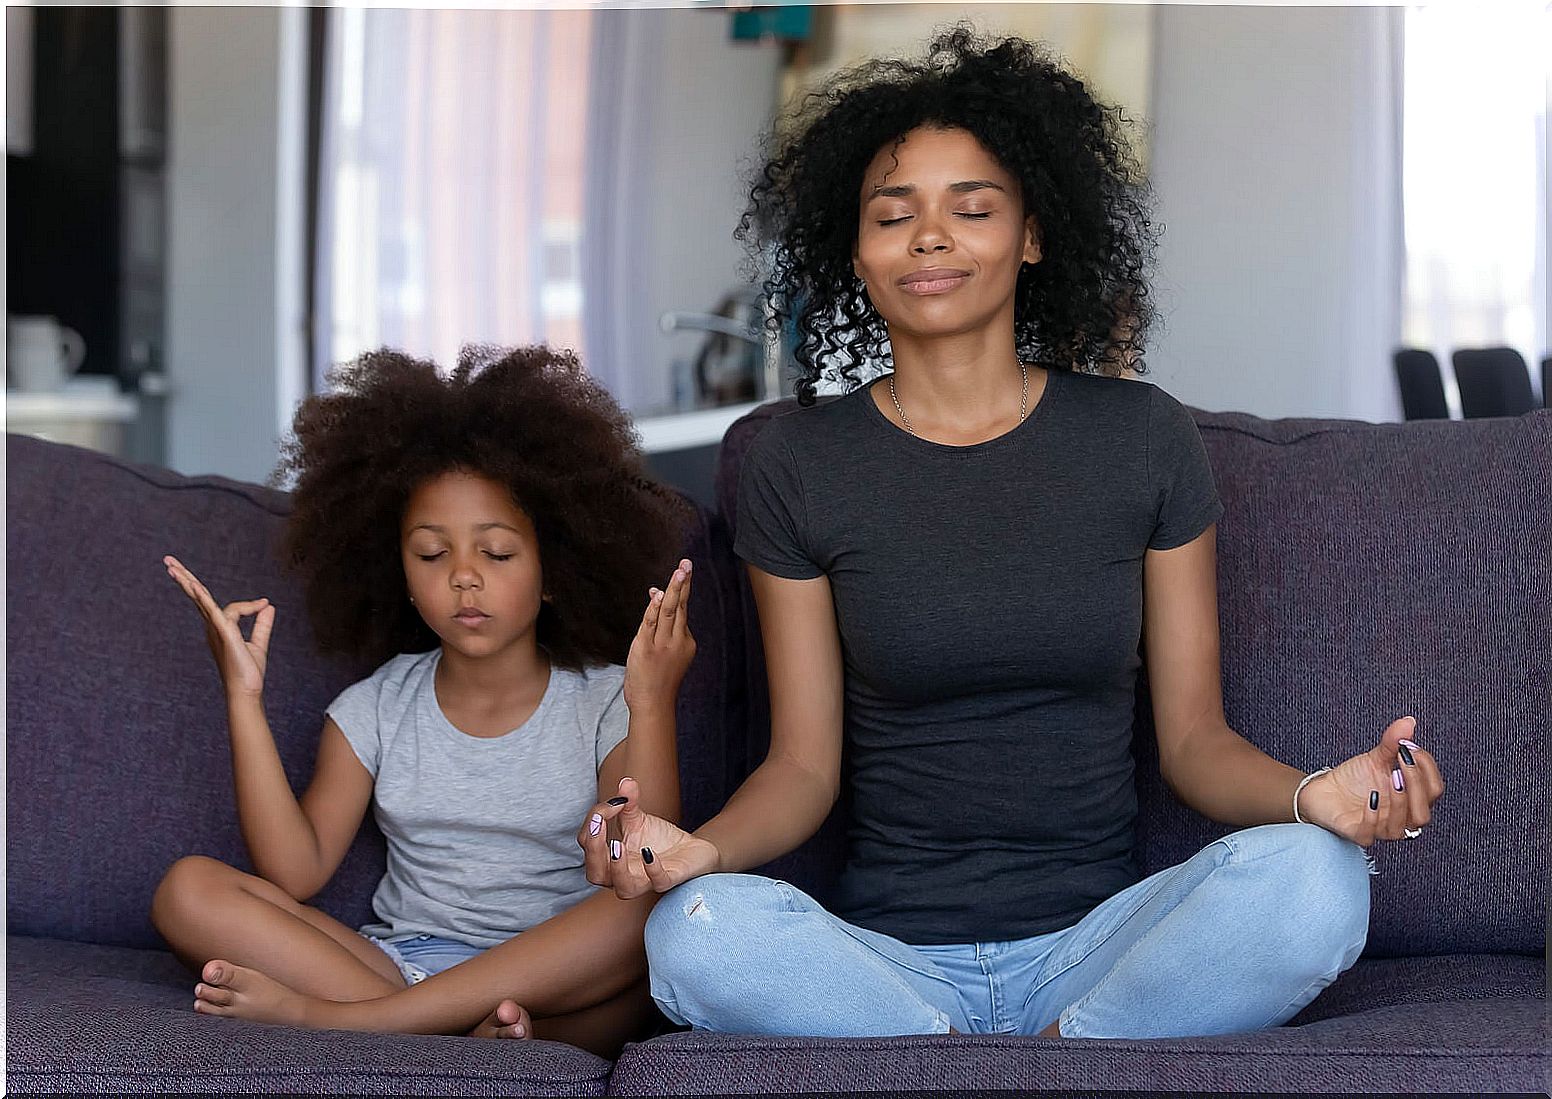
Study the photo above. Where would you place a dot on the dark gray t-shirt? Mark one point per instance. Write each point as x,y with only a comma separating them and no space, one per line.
989,601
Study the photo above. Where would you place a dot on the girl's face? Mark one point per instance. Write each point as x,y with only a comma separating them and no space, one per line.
471,561
941,236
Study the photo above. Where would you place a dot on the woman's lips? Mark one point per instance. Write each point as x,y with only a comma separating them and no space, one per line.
933,281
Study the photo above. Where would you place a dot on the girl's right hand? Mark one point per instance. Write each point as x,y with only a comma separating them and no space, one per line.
622,864
240,660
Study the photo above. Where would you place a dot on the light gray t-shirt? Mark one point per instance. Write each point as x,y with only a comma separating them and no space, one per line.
481,830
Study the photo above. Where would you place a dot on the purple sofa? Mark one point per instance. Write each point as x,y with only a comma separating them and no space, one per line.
1365,571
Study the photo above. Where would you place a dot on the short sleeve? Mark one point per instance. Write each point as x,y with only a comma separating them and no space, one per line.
613,717
771,531
355,711
1182,479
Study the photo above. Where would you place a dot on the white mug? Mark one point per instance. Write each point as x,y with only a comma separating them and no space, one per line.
41,354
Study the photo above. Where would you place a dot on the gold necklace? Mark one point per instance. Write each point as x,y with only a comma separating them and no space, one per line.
1023,398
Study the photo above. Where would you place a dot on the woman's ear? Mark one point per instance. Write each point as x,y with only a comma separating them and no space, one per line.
1031,241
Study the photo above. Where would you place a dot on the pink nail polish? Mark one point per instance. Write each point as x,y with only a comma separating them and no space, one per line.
1410,745
596,823
1396,780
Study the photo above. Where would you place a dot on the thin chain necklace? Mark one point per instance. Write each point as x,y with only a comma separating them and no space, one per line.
1023,398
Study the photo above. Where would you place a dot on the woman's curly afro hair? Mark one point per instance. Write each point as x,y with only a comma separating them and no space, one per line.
529,419
1084,306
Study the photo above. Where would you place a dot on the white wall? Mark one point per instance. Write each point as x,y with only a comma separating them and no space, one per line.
1276,172
229,275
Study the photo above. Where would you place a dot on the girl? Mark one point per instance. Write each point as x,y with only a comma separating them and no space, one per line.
494,528
954,565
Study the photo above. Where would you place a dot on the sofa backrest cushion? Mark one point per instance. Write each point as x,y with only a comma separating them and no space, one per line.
117,753
1366,572
118,760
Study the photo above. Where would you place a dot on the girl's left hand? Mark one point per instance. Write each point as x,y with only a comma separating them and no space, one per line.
1380,794
662,649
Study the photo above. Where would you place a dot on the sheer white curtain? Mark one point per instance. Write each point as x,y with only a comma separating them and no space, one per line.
1475,177
451,181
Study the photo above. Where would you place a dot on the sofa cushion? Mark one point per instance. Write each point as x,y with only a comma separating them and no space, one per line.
94,1020
1470,1025
1366,572
1482,1047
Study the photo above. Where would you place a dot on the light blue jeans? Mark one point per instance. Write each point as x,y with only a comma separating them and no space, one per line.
1237,938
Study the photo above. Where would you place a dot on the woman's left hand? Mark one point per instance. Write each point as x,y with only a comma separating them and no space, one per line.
1378,795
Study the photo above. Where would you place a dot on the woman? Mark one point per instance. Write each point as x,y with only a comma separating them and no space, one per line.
954,566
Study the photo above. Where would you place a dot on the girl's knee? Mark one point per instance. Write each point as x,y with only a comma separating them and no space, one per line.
189,885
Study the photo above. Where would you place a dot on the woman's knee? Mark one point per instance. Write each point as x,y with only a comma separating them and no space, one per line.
1317,883
699,923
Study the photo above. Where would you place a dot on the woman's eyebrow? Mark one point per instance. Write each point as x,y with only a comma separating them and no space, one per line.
965,186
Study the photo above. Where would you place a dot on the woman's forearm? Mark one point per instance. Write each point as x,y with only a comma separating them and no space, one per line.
279,837
1223,776
780,805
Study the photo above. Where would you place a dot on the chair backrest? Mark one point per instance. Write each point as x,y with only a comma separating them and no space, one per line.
1546,383
1494,381
1422,385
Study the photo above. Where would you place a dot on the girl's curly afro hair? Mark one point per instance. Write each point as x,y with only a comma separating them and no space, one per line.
1084,306
530,419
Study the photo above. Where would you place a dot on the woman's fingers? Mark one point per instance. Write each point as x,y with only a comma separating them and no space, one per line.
594,841
1427,769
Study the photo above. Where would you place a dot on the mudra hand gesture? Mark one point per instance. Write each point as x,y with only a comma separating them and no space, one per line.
240,660
1385,793
634,853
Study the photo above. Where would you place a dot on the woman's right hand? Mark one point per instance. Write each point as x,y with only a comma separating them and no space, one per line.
240,660
650,855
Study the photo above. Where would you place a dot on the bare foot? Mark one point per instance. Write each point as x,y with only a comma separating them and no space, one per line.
240,993
509,1020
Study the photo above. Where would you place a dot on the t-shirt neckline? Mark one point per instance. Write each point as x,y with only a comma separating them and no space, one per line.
440,718
927,446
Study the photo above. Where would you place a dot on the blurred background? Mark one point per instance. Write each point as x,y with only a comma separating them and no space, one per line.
207,207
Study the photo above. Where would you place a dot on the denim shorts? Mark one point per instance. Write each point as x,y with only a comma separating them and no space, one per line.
422,956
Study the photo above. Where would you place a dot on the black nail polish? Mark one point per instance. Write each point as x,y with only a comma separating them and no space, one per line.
618,801
1374,799
1406,755
614,850
646,854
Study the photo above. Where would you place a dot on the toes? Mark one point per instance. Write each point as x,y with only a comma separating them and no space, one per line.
216,972
213,994
514,1020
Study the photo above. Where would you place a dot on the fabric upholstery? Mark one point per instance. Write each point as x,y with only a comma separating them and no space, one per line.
100,1020
118,761
1366,572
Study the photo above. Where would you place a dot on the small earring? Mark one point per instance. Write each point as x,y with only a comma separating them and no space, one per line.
412,599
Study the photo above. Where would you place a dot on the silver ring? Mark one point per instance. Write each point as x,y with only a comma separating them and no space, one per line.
1411,833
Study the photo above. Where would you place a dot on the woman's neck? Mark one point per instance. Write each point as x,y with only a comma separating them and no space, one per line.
957,389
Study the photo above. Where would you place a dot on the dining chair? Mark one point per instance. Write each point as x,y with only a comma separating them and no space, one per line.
1422,387
1493,381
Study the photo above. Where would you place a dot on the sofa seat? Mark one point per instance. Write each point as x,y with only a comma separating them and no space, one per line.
107,1020
1466,1024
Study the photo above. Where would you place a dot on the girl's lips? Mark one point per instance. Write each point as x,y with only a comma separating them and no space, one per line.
470,617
